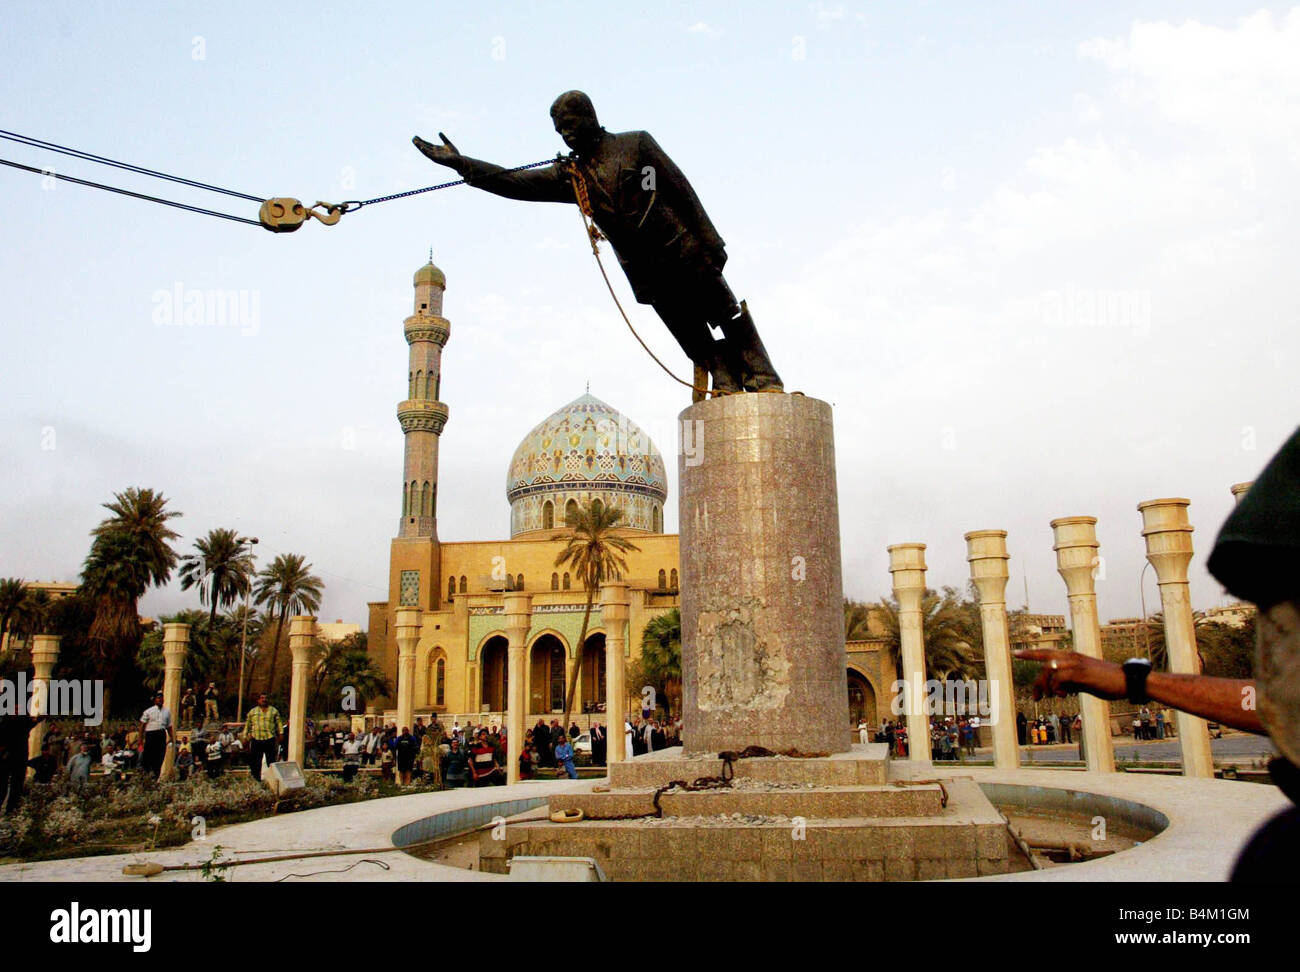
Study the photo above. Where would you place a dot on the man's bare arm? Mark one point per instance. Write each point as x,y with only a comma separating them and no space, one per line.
1228,701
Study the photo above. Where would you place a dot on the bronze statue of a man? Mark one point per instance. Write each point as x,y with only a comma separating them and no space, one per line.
668,248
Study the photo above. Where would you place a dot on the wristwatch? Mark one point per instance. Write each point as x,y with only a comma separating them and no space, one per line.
1136,671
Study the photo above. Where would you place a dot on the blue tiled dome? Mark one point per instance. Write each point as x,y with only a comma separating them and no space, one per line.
586,449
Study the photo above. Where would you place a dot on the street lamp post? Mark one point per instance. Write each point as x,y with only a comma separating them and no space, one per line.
1142,593
243,639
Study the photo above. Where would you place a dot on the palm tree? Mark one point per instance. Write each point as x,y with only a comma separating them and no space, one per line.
1155,639
230,649
221,569
950,642
199,659
661,655
33,615
12,593
857,620
346,664
131,552
286,586
595,553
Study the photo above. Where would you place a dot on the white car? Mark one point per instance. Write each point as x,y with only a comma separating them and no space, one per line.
582,744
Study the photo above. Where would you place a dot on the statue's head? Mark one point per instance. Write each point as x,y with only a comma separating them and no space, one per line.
575,121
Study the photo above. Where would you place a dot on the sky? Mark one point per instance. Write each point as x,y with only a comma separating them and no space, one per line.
1038,256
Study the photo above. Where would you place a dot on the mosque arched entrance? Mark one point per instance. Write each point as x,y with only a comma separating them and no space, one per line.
862,699
546,671
496,674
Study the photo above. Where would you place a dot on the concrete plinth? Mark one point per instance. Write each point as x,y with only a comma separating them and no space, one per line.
762,602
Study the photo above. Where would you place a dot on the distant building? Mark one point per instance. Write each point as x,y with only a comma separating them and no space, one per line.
336,630
57,590
1236,614
1123,638
1036,630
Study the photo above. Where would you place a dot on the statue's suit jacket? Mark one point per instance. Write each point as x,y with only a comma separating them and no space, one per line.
640,200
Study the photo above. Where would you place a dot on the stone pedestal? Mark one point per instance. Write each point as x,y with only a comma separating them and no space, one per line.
176,645
518,612
762,602
45,652
986,550
302,638
408,636
614,605
907,566
1076,560
1168,535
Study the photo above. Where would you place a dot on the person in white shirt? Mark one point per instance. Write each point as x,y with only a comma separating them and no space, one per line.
156,724
351,757
627,737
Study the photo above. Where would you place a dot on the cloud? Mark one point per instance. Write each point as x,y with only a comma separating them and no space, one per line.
1078,337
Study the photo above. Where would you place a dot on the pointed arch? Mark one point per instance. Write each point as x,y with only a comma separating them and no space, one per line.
672,579
555,582
548,515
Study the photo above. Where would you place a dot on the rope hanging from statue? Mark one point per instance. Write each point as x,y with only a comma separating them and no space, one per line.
594,237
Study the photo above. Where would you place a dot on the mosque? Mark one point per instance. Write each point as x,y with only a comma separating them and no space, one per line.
584,451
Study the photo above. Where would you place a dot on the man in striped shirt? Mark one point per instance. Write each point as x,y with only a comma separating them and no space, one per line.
264,728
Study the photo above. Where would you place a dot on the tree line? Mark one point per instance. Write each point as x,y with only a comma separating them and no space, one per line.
131,551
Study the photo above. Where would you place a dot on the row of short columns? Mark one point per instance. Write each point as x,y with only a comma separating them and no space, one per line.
176,643
1168,536
615,606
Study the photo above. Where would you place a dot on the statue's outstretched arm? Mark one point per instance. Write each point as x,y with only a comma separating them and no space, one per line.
549,184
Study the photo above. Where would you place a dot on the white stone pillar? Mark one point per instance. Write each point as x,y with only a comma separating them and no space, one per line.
1168,535
518,613
408,636
1076,561
907,565
1240,489
986,550
176,644
614,607
45,652
302,638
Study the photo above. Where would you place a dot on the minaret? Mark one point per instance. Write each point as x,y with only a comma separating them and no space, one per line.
416,561
422,416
